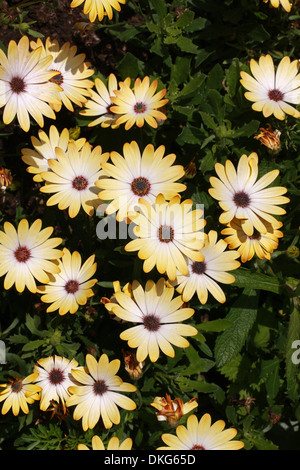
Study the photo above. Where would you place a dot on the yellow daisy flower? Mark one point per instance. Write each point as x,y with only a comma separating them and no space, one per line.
113,444
44,149
286,5
139,104
25,86
202,435
157,316
71,72
27,254
18,393
53,375
98,8
241,196
71,287
202,275
259,244
72,178
100,103
98,395
135,175
172,410
168,232
272,91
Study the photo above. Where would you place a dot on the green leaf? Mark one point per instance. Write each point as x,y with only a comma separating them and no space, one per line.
242,315
198,24
246,278
246,130
187,45
208,121
185,19
193,85
270,371
130,66
160,8
190,135
33,345
197,363
215,325
181,69
215,77
201,386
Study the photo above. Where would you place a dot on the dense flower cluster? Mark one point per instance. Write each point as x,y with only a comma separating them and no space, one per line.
142,187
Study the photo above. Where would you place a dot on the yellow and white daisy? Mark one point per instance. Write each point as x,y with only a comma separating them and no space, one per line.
99,8
72,178
25,86
172,410
286,5
157,315
168,232
72,72
203,276
135,175
28,254
44,148
241,195
98,393
72,286
139,104
202,435
271,91
113,444
18,394
53,375
100,103
260,244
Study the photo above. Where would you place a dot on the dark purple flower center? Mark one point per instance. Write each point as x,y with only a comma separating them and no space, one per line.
197,447
165,233
241,199
256,235
199,267
140,108
56,376
275,95
17,386
22,254
100,387
58,79
71,287
80,183
140,186
17,85
151,322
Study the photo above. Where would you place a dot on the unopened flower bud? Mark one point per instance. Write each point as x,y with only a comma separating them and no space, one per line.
132,366
269,138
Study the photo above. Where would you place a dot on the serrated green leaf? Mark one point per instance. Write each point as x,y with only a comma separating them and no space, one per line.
181,69
160,8
185,19
246,278
186,45
208,121
33,345
270,371
242,315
